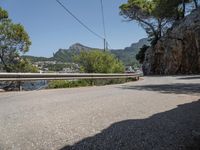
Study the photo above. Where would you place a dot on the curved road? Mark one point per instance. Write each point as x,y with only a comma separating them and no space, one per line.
154,113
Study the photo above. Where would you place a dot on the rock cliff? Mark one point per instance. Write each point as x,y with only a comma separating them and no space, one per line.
178,52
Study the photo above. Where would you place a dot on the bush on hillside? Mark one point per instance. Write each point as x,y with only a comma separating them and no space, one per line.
99,62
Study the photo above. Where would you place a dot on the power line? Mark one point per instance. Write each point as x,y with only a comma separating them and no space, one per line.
103,18
104,27
79,21
109,47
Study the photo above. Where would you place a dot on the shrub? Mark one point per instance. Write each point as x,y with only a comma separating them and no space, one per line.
67,84
99,62
82,83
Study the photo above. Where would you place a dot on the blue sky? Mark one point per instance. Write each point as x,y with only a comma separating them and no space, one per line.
50,28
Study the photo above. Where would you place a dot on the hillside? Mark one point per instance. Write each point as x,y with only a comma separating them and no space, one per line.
66,55
126,55
36,59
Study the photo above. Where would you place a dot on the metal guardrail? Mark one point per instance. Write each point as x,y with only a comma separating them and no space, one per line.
63,76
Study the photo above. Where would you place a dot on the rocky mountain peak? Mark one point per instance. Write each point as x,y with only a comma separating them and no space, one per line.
79,47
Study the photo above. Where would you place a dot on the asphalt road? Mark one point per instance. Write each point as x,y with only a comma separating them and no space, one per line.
156,113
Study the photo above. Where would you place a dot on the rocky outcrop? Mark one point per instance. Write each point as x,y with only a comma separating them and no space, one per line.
79,47
178,52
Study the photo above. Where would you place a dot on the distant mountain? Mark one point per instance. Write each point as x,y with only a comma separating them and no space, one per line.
66,55
36,59
127,55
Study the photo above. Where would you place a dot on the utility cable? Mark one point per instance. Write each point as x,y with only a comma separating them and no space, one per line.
79,21
103,18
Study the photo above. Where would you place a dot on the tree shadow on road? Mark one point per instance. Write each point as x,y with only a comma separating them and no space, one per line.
176,88
189,78
176,129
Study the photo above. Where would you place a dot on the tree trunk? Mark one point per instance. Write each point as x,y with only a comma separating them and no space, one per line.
159,29
5,65
155,33
177,15
183,13
196,3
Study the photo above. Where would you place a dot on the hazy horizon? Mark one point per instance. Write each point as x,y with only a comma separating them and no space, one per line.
50,28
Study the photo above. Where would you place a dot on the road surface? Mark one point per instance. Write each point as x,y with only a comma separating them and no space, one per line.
154,113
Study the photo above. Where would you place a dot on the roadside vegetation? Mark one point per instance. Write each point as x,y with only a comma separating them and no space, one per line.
141,54
94,62
14,41
99,62
83,83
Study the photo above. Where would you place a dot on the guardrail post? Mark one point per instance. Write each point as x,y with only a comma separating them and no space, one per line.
20,85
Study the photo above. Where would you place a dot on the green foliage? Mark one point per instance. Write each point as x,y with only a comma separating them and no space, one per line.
155,16
99,62
169,9
128,55
82,83
142,11
141,54
25,66
3,14
196,3
64,55
36,59
67,84
59,67
14,40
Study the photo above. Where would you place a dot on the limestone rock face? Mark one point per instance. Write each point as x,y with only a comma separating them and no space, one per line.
178,52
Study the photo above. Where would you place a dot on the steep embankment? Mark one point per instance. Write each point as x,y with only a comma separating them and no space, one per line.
179,51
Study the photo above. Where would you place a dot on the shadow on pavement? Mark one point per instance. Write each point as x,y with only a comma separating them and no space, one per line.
176,129
176,88
189,78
